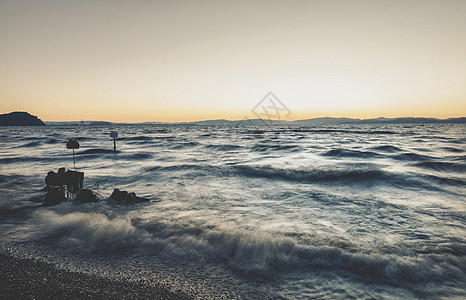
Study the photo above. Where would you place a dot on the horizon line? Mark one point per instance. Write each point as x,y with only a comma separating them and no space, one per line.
252,119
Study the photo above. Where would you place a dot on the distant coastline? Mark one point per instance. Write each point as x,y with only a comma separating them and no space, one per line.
256,122
26,119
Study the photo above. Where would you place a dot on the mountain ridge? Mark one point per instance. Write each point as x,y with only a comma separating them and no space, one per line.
21,118
312,121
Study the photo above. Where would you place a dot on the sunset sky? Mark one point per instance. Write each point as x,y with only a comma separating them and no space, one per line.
180,60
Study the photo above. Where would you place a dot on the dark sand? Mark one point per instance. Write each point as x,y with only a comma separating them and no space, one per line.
22,278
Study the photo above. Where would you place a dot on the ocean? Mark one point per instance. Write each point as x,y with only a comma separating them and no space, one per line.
248,212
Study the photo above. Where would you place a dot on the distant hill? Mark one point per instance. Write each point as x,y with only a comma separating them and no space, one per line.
75,123
326,121
245,122
330,121
20,118
261,122
406,120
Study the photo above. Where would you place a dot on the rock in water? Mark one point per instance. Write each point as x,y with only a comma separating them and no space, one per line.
72,179
52,179
86,196
53,197
127,198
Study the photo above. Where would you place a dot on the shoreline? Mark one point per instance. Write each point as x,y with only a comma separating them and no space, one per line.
24,278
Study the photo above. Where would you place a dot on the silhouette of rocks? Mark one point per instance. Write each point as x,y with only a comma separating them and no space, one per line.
72,179
64,181
86,196
54,196
20,118
127,198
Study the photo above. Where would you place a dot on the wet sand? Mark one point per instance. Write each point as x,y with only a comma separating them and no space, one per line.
22,278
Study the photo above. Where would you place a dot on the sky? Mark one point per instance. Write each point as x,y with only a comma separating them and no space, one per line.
182,60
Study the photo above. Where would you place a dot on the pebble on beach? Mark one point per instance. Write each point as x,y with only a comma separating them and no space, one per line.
29,279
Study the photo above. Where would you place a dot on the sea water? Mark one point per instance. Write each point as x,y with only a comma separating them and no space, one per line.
345,211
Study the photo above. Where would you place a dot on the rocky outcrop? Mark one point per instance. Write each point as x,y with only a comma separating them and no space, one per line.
69,184
64,184
86,196
20,118
72,179
54,196
127,198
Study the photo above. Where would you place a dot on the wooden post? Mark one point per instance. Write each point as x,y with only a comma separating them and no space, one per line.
73,144
114,135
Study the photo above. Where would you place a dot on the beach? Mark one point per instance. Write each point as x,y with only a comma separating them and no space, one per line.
23,278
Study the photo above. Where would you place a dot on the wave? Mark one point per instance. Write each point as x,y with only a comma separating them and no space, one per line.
267,171
184,145
126,155
181,167
138,156
86,231
350,153
345,131
31,144
222,147
442,166
31,138
266,147
317,174
459,158
446,180
136,138
453,149
53,141
387,148
96,151
36,143
409,156
257,131
20,159
251,251
355,174
152,130
84,138
436,137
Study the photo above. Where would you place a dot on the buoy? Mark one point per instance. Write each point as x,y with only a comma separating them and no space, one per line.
72,144
114,135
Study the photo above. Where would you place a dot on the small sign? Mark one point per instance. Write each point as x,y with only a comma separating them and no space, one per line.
114,135
72,144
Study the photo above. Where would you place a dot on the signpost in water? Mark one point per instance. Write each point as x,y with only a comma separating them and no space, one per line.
72,144
114,135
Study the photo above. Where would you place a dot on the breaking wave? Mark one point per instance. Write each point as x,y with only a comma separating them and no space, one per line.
252,252
314,174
